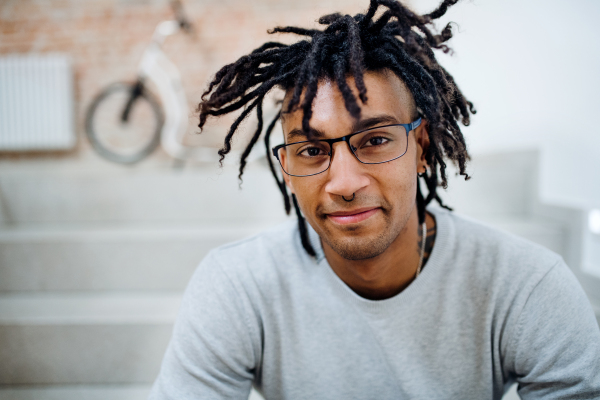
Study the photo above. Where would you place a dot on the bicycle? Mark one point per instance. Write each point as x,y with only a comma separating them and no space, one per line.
125,122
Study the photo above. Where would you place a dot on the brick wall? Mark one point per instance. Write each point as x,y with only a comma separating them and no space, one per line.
106,38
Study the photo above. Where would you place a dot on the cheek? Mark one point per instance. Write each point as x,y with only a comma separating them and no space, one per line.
305,189
398,180
310,196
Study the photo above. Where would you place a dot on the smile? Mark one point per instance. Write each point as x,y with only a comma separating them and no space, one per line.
352,216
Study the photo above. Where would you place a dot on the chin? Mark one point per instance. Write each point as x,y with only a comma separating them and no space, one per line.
359,248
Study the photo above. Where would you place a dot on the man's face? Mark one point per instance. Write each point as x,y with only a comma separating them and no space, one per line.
384,193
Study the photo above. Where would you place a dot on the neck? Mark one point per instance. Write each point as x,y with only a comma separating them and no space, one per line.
389,273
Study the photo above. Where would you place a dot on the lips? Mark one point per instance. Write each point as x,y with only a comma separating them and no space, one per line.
352,216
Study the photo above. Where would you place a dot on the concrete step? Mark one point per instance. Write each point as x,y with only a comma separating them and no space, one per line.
548,233
59,194
109,256
84,392
500,184
82,338
75,392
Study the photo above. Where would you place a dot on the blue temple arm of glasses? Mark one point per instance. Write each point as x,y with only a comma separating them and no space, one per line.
415,124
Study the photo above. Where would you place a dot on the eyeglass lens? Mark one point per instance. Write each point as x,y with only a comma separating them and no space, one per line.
373,146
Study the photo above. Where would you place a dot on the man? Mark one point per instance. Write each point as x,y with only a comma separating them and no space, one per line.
377,297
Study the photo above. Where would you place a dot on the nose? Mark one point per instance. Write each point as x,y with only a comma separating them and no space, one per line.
346,174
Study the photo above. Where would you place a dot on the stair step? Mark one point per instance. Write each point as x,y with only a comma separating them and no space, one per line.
84,392
109,257
500,184
82,338
137,195
549,234
76,392
88,308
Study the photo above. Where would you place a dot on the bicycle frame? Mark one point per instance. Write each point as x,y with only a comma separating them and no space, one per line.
156,67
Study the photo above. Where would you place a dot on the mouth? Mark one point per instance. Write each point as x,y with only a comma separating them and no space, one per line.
352,216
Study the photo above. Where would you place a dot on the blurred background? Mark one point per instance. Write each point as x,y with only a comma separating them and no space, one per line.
94,254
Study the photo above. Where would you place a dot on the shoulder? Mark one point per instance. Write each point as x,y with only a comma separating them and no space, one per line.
236,277
515,282
494,250
255,260
492,268
273,243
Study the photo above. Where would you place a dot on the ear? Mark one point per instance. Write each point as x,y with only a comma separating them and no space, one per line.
286,177
422,138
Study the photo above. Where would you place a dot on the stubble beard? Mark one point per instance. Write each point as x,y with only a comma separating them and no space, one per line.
361,247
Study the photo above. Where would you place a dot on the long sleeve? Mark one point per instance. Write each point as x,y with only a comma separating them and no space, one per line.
213,352
555,346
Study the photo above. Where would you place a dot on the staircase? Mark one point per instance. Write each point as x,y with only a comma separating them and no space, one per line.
93,263
93,260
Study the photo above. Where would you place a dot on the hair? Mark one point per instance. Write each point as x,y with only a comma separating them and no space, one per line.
398,40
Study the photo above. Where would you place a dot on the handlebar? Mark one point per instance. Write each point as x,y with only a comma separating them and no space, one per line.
184,23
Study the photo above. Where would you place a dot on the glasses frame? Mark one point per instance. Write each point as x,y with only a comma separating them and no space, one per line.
407,127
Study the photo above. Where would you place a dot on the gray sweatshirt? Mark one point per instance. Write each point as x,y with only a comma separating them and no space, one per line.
488,309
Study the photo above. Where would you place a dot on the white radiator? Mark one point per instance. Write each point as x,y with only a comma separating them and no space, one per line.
36,103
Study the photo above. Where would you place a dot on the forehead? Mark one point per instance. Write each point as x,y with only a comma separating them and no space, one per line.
387,96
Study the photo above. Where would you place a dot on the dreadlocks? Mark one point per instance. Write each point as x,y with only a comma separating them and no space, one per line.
398,40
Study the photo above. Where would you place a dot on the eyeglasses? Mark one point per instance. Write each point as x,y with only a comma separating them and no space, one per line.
371,146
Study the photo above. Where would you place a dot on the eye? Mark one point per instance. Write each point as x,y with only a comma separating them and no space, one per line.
312,151
376,141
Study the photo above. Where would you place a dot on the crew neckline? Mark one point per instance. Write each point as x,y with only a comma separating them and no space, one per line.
441,247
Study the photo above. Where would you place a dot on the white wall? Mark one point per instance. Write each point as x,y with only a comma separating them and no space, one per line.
532,68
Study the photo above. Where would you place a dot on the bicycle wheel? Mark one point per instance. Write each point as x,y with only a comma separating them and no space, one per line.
124,122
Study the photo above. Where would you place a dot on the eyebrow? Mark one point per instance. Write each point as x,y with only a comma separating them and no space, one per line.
299,135
383,119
